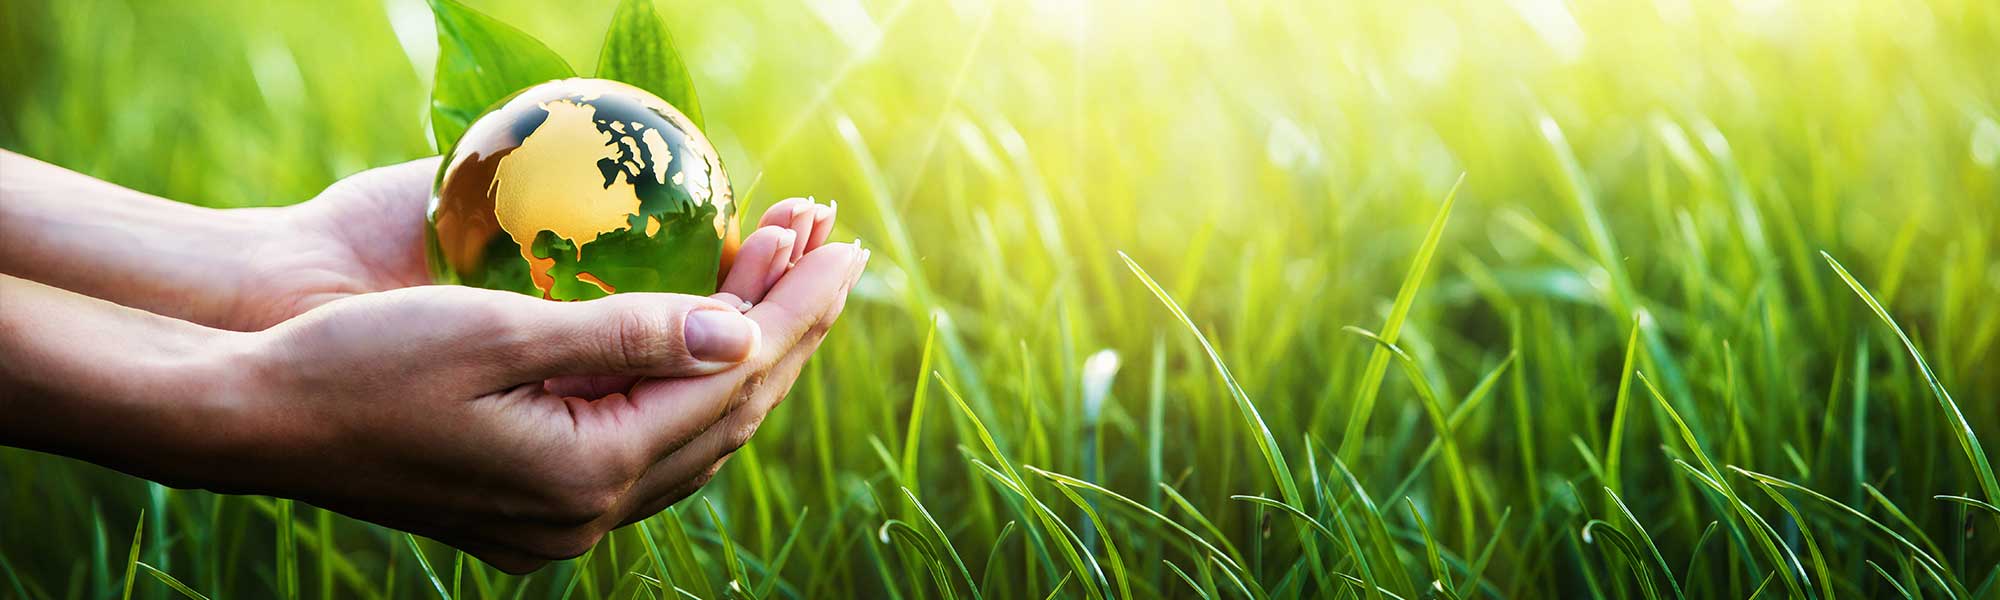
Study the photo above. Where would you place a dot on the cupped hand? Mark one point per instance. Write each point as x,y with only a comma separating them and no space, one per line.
518,429
365,233
425,408
295,352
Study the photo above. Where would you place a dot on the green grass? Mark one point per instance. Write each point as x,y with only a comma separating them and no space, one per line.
1711,313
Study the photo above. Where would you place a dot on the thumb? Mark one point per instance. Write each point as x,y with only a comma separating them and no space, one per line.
637,334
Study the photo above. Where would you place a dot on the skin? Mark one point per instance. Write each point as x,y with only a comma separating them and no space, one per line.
296,352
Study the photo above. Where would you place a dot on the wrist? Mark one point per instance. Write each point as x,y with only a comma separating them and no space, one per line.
191,413
145,394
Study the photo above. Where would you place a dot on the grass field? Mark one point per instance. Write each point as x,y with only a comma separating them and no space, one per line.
1625,359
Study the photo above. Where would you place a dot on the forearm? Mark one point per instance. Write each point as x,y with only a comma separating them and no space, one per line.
117,386
71,231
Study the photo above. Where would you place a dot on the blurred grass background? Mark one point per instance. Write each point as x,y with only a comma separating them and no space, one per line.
1664,172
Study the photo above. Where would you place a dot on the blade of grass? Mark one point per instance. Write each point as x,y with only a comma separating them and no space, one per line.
914,437
945,542
904,537
1892,580
1197,540
653,551
1274,458
986,574
1118,573
1972,502
1712,476
132,556
1440,576
730,563
288,552
1826,583
1950,584
1659,560
1011,480
1454,463
170,582
1289,510
579,568
1967,440
425,564
1474,578
1615,444
777,564
1378,531
1190,580
1378,360
1620,546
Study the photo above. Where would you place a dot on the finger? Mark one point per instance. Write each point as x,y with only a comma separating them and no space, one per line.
782,213
797,303
643,506
668,412
668,480
763,259
797,214
822,225
637,334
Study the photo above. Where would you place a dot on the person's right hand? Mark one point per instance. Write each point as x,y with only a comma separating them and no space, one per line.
425,409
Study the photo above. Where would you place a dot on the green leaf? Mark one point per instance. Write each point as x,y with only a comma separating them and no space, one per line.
481,61
638,50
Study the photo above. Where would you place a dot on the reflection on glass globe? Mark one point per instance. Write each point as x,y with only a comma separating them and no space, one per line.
578,188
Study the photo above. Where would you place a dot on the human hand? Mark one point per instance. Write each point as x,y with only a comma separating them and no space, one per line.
424,408
365,233
458,413
247,269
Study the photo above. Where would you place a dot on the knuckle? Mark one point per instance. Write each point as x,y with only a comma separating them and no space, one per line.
739,435
702,478
496,323
640,340
819,329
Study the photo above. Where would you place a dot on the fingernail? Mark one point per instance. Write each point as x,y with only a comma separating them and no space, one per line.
720,336
733,301
854,273
782,259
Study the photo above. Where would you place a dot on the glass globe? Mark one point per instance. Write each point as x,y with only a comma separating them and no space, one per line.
578,188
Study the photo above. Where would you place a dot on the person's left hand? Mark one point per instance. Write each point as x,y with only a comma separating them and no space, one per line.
365,233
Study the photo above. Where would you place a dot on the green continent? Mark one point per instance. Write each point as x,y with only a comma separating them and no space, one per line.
682,257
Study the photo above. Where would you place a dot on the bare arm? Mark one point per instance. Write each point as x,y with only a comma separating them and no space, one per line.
71,231
517,429
139,384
